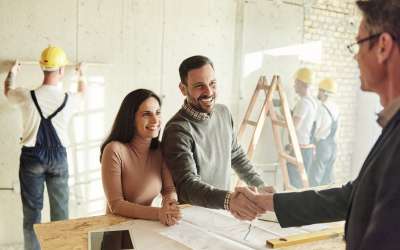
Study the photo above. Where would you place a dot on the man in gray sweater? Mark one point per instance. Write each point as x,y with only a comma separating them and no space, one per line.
199,146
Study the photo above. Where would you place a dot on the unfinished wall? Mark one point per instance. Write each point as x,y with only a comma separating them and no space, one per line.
142,42
335,24
332,25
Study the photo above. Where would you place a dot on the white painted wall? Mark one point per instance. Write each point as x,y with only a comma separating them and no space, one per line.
366,127
144,41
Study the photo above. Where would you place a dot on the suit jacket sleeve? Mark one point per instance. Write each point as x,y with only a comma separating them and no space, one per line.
309,207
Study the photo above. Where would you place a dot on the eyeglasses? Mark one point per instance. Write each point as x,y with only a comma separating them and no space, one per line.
355,47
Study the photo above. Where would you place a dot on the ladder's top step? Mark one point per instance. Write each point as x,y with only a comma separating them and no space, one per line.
263,86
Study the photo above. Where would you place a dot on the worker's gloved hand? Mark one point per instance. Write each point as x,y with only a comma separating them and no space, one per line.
80,68
15,68
243,208
169,214
264,200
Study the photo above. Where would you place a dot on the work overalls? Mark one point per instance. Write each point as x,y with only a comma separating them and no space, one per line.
45,162
307,152
322,168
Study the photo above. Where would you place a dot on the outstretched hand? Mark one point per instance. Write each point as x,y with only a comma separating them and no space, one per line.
243,208
263,200
80,68
16,67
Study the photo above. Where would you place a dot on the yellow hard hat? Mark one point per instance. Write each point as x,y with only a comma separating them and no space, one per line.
53,58
305,75
329,85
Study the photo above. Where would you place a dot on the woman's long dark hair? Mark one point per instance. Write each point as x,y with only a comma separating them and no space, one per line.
123,129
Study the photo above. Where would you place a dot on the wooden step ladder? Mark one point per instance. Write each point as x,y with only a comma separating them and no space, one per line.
268,110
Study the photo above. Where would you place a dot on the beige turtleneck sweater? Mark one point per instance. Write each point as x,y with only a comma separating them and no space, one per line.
133,175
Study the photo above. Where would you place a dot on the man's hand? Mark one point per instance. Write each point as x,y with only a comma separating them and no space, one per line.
263,200
80,68
266,189
243,208
15,68
9,82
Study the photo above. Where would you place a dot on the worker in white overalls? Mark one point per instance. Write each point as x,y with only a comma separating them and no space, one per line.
321,172
45,114
304,116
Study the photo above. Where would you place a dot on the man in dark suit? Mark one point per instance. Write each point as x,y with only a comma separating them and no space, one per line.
371,203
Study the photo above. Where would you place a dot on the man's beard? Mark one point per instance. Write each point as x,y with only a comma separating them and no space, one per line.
197,103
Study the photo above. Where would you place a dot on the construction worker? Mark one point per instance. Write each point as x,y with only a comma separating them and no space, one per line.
304,115
45,114
324,138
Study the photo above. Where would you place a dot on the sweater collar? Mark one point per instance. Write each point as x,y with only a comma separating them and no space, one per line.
199,116
140,145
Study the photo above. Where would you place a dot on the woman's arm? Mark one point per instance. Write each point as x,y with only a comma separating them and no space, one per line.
168,188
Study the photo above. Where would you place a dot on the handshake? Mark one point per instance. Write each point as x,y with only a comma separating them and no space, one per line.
246,203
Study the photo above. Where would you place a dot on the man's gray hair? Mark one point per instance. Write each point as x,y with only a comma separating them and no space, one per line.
381,16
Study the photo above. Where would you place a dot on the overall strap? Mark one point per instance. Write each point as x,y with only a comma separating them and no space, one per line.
329,112
36,103
334,124
59,108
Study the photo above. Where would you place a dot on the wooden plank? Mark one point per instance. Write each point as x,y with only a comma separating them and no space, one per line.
305,238
69,234
69,64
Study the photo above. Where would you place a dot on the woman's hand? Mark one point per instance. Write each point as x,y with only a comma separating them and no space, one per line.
169,214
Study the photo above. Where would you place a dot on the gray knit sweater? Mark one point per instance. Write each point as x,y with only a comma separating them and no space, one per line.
200,155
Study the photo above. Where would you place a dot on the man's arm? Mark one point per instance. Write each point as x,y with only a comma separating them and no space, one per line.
309,207
80,68
296,121
10,80
304,208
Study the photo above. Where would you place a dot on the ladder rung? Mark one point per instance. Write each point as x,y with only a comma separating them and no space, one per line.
252,123
289,158
279,123
262,86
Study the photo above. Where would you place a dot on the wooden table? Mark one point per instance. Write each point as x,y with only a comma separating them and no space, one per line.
73,235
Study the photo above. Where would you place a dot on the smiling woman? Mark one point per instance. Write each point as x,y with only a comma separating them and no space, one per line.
133,171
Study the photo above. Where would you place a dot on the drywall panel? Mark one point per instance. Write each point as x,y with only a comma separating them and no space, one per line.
197,27
126,35
27,26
